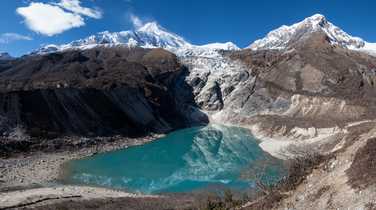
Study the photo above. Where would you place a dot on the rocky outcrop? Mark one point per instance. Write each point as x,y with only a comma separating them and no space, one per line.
210,97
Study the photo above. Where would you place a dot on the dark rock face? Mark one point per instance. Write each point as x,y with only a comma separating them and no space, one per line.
98,92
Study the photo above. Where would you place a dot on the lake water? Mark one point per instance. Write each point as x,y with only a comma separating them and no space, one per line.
213,157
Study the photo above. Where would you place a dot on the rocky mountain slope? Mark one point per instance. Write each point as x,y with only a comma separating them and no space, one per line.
318,94
96,92
217,78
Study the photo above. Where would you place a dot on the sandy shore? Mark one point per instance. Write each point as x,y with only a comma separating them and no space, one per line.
42,169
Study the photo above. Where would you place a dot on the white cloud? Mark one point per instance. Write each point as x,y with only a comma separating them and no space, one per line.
75,7
7,38
48,19
136,21
54,18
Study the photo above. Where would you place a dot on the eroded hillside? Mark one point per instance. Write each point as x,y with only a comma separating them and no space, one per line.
97,92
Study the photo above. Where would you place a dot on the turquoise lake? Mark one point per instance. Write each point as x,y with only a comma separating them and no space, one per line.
214,157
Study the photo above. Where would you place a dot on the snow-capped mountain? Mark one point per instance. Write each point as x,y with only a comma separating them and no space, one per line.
151,35
284,36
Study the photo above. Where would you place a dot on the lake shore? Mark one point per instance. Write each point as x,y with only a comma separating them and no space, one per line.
46,169
28,179
35,176
41,169
34,179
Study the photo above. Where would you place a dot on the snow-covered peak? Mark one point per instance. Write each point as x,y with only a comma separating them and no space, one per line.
282,37
154,35
152,27
316,20
150,35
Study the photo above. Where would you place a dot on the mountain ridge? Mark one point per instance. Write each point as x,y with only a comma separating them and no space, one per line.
152,35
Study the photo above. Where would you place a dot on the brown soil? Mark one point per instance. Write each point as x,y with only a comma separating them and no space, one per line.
362,172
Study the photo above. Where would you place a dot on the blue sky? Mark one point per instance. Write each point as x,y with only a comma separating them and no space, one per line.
27,24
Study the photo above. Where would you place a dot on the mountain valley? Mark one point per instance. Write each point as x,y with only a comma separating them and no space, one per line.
306,88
